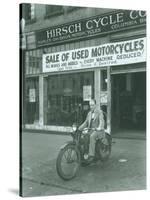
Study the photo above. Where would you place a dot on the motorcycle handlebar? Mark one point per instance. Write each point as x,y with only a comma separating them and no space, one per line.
90,129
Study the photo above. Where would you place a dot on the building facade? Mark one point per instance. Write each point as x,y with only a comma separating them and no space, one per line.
73,54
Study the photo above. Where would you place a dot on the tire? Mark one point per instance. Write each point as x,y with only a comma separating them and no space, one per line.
103,150
69,161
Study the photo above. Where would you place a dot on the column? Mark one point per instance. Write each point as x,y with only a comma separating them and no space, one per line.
109,100
45,99
41,102
97,77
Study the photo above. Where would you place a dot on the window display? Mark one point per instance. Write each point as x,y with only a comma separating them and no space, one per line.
65,102
32,100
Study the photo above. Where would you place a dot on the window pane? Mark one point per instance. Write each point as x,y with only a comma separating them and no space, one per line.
32,100
65,103
28,11
104,80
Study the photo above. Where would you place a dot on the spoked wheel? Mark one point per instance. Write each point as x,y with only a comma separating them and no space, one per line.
104,150
68,162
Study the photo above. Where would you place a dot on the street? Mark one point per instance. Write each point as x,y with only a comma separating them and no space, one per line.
125,170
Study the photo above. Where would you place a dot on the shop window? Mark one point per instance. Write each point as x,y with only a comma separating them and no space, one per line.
104,80
81,81
32,100
73,83
64,84
87,81
66,105
52,10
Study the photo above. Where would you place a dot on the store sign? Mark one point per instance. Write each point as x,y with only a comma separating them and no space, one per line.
32,95
87,92
103,97
101,24
118,53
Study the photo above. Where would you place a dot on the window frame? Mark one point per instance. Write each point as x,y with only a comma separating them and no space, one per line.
28,20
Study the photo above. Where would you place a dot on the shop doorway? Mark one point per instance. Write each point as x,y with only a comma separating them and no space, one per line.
129,102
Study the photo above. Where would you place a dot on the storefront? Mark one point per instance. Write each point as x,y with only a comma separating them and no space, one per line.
102,57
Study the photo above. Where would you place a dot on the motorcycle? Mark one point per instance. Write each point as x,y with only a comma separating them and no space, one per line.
72,154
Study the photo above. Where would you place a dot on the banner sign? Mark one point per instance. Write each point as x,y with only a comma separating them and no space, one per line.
32,95
87,92
118,53
103,97
97,25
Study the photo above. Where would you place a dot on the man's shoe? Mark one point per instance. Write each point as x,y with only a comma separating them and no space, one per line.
86,156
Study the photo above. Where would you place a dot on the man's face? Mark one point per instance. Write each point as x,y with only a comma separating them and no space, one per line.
92,105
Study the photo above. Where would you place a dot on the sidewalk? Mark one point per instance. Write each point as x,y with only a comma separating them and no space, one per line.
130,134
39,175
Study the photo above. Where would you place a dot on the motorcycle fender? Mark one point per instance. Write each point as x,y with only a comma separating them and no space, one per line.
67,143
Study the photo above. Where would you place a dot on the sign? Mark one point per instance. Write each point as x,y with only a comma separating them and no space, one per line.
97,25
103,97
87,92
117,53
32,95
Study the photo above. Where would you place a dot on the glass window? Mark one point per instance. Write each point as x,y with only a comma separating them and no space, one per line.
32,100
28,12
103,80
65,103
33,62
73,83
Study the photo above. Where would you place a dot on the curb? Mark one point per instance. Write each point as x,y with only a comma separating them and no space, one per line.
45,132
67,133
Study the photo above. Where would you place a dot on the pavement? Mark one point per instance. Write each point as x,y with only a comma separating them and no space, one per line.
130,134
125,170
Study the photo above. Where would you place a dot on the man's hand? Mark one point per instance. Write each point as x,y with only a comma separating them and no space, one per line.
85,131
98,129
79,129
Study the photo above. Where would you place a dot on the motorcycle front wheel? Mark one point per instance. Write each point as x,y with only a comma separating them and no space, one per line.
68,162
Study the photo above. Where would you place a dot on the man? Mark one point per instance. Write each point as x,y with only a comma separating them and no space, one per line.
94,120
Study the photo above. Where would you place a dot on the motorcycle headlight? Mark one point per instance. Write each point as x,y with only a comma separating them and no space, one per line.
74,127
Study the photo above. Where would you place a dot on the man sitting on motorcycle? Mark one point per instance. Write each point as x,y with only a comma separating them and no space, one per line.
94,122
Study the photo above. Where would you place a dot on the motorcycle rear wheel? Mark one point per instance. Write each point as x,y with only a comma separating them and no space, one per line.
68,162
103,151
